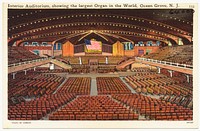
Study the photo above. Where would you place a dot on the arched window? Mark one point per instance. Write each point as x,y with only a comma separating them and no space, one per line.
59,46
25,43
44,43
158,43
36,52
54,46
35,43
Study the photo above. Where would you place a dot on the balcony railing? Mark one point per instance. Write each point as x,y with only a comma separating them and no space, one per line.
28,62
165,63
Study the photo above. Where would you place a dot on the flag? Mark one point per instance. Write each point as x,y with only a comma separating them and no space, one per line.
94,45
87,42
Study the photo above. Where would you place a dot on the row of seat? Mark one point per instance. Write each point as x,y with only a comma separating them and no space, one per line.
77,69
145,77
176,54
179,100
33,85
47,70
140,69
158,84
111,85
93,108
38,108
77,85
106,69
101,59
19,54
155,109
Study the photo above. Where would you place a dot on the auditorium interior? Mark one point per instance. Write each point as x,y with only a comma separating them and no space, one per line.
100,64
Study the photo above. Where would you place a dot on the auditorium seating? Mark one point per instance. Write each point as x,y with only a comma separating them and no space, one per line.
158,84
100,64
111,85
142,69
47,70
175,54
106,69
76,85
77,69
93,108
112,60
19,54
33,85
176,75
155,109
38,108
179,100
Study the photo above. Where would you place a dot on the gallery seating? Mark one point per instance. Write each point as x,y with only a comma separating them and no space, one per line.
19,54
175,54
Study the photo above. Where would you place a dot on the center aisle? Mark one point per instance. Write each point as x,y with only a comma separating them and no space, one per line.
93,91
60,85
132,91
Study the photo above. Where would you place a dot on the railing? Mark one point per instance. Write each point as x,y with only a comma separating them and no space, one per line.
165,62
28,62
61,62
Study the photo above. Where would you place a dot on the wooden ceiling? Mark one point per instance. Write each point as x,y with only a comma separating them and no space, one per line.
107,25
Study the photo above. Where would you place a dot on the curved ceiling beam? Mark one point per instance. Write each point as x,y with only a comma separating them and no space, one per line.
67,37
127,18
118,36
83,32
118,25
85,35
101,35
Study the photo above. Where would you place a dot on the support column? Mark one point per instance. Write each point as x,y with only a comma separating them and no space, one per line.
188,78
129,68
25,71
169,43
106,60
171,73
13,74
158,70
51,66
52,49
180,42
80,61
